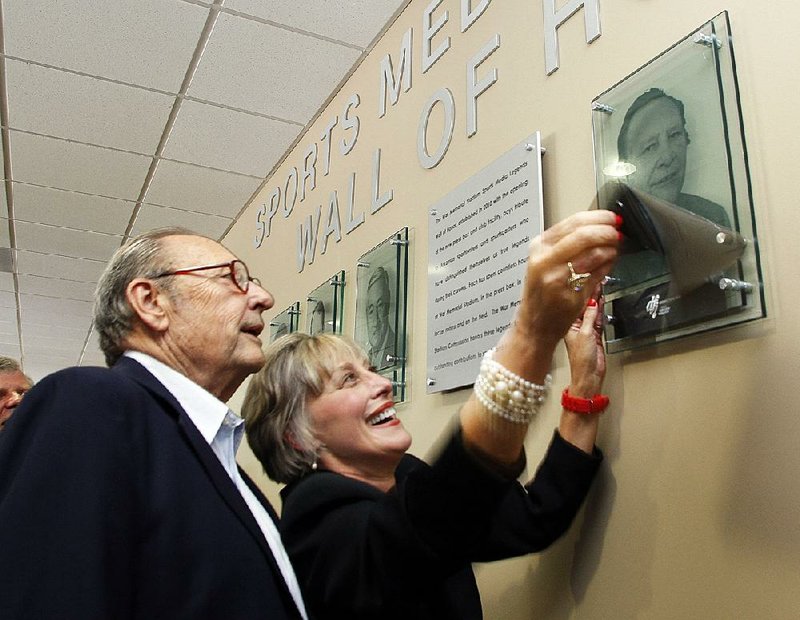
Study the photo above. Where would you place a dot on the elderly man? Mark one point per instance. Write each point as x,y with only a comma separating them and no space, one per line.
13,384
119,493
379,332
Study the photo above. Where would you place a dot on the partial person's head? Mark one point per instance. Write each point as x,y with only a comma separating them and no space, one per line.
13,385
378,300
318,318
654,139
186,300
316,402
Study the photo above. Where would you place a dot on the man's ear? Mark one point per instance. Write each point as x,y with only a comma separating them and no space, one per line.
148,303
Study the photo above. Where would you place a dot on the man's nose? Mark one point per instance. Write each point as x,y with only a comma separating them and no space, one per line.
666,153
261,296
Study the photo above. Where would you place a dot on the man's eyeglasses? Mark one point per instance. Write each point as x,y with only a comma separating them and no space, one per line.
239,274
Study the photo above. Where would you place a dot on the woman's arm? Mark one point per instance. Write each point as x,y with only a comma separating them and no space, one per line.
549,306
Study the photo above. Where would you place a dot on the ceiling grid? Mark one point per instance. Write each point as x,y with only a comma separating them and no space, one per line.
119,116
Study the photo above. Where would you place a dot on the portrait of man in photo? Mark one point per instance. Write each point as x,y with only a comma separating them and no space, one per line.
380,335
317,322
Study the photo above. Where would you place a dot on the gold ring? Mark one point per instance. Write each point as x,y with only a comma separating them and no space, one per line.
577,281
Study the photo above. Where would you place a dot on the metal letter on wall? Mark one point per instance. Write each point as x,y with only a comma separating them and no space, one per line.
670,157
478,239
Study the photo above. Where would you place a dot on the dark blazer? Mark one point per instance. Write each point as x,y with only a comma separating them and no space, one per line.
360,553
112,505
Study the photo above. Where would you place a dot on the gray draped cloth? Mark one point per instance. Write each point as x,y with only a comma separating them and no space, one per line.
695,248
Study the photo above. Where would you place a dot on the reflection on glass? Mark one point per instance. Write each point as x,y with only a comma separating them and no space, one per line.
317,323
324,306
284,323
670,158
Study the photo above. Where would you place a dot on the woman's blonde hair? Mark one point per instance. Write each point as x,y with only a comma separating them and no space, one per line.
275,406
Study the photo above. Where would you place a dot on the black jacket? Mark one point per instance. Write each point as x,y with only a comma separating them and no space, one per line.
113,506
360,553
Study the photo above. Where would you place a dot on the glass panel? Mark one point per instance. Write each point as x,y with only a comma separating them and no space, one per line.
381,302
324,306
284,323
670,157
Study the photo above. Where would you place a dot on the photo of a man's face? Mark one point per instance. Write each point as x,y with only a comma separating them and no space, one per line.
378,300
654,139
379,332
317,324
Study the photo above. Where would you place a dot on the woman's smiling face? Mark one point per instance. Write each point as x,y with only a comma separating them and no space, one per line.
355,422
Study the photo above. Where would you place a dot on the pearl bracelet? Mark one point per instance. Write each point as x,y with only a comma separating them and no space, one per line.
507,395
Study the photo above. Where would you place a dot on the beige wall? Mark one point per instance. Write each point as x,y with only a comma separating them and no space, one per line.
696,511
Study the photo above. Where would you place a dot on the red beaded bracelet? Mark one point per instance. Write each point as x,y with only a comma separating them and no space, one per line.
595,404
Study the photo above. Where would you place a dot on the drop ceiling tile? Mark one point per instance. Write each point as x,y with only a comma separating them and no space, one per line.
64,267
66,241
55,318
146,42
38,368
78,167
8,301
5,238
354,21
10,349
60,343
85,109
3,200
66,307
152,216
92,355
6,281
71,209
53,287
31,327
204,190
261,68
8,332
222,138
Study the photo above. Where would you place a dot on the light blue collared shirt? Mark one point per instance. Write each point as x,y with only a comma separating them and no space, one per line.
223,430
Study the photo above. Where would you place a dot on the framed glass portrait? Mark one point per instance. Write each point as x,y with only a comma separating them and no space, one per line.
381,300
324,306
671,160
284,323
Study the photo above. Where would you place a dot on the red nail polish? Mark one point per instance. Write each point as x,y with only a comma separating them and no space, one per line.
592,302
618,220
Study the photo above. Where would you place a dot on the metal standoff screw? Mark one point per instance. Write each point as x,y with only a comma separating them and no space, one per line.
602,107
362,265
398,241
431,382
729,284
707,39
